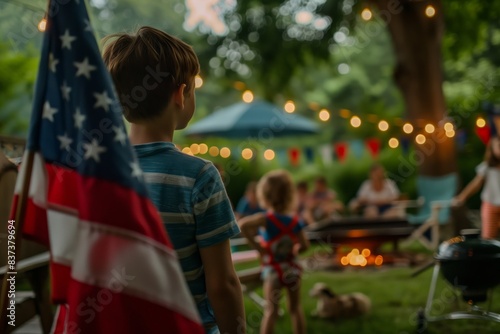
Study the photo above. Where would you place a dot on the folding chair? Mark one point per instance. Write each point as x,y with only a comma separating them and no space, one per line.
437,193
33,262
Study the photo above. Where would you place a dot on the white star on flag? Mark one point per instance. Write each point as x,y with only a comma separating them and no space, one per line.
52,62
65,89
65,142
88,27
79,118
136,169
48,111
84,68
67,39
120,135
102,100
92,150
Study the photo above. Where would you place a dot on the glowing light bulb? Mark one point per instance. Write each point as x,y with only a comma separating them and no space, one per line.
480,122
429,128
366,14
203,148
289,107
225,152
247,154
269,154
213,151
383,126
393,143
42,25
420,139
355,121
198,82
408,128
247,96
430,11
324,115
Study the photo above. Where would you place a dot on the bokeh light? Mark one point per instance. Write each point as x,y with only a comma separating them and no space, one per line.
393,143
420,139
269,154
383,126
247,96
408,128
480,122
324,115
366,14
198,82
429,128
448,127
430,11
225,152
195,148
289,107
203,148
213,151
450,134
42,25
355,121
247,154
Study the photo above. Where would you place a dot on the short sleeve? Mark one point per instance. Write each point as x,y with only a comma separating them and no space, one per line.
300,226
482,168
393,188
213,215
364,190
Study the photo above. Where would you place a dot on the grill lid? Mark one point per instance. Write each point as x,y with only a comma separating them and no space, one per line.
468,245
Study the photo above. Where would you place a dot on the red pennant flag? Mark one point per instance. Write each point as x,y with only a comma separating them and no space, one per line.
294,155
373,145
341,150
483,133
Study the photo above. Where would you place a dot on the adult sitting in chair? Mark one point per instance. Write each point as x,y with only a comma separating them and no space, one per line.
376,196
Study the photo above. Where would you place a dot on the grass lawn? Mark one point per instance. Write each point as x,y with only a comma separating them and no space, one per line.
396,298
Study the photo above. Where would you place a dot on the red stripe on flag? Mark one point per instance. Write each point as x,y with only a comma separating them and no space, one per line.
60,276
35,223
101,310
102,202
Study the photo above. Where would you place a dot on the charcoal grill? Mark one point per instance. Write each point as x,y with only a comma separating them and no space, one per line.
471,265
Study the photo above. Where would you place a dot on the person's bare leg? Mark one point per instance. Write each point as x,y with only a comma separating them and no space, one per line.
272,291
295,309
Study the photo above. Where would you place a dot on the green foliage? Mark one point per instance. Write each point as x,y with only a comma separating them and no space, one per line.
17,76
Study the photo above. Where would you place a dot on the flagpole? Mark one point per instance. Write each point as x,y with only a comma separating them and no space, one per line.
19,222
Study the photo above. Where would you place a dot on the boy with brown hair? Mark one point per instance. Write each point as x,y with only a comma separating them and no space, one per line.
154,76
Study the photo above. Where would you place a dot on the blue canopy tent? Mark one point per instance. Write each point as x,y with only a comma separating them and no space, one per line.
257,119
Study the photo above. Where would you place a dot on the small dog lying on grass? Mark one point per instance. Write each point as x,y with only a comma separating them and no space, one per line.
332,306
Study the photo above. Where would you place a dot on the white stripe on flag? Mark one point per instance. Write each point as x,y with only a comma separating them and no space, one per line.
38,187
105,257
63,231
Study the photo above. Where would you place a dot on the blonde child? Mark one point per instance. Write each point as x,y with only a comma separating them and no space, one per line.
282,239
488,174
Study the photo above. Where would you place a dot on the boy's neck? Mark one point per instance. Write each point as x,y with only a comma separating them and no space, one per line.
148,133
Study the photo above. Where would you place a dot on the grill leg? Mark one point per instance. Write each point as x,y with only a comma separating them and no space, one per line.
432,290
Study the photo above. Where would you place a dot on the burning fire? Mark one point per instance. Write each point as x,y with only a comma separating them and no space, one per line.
355,258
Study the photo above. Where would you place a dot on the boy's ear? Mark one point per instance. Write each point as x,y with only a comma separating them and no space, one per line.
178,96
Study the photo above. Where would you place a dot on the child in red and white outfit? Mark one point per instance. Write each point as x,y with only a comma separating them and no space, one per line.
283,238
488,174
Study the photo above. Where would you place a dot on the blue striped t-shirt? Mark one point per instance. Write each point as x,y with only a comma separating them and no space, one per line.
192,201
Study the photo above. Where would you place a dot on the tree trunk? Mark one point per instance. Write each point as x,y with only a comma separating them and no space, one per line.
417,42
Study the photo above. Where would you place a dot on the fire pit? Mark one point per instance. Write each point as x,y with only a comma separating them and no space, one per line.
470,265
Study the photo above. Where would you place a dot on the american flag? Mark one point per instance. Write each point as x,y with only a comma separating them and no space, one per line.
113,267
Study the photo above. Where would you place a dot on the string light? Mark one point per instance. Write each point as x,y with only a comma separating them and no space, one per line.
203,148
480,122
225,152
420,139
269,154
355,121
195,148
187,150
429,128
198,81
430,11
247,96
366,14
408,128
393,143
324,115
450,134
213,151
247,154
289,107
448,127
42,25
383,126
